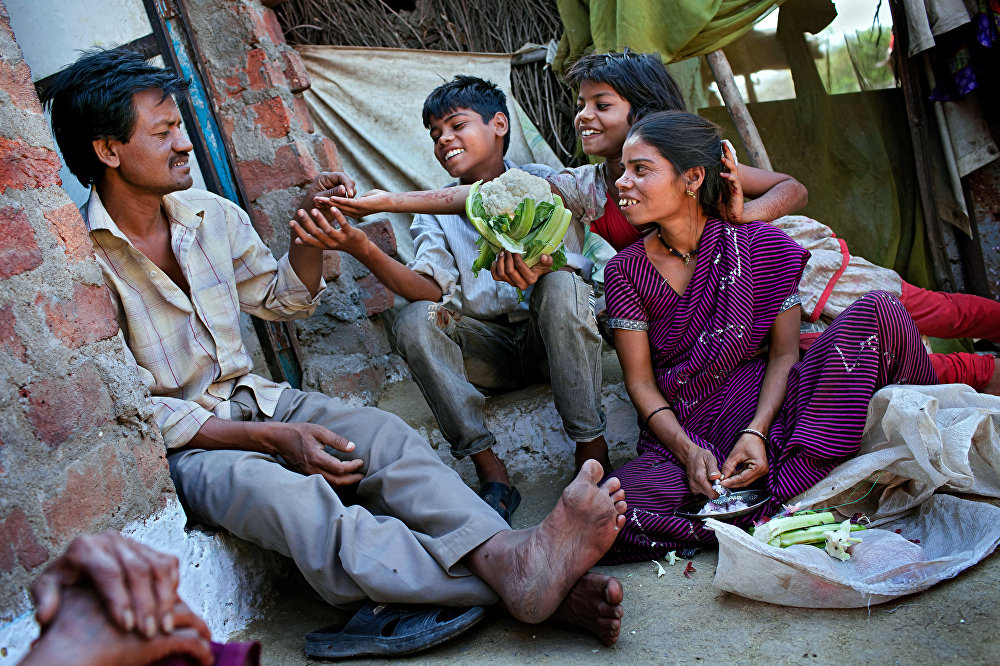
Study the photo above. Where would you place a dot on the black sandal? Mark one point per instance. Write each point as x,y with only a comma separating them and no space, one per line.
502,498
391,629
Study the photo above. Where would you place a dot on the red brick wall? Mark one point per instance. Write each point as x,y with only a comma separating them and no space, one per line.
78,450
256,83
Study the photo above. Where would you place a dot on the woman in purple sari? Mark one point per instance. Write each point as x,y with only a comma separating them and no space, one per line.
706,321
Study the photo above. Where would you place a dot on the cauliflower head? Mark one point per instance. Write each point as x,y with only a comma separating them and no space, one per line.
502,195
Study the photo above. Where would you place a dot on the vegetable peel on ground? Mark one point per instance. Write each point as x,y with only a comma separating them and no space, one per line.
659,568
689,569
672,558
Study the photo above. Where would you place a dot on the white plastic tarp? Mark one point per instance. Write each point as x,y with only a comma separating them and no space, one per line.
934,452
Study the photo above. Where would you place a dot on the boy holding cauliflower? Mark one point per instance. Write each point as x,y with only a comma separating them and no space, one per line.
498,340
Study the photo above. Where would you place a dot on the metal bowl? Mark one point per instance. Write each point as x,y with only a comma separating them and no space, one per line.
754,499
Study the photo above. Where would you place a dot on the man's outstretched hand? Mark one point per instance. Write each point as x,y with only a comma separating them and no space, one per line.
329,184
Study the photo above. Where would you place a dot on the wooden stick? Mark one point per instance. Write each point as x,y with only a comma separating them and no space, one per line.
738,110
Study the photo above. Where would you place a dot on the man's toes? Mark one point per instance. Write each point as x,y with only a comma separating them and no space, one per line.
621,507
614,593
619,496
610,611
611,485
620,520
591,471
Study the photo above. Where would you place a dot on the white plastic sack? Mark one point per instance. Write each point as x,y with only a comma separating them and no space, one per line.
926,439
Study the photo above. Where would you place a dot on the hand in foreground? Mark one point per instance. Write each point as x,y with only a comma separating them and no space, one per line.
138,585
735,212
330,184
81,633
373,201
510,268
748,460
702,469
302,446
316,229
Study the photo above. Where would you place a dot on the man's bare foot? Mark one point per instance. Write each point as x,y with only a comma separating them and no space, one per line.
534,569
595,449
993,386
594,604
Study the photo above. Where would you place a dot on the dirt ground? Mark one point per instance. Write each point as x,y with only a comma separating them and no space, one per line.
676,620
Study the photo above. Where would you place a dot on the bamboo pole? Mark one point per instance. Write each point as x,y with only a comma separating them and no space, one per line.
745,127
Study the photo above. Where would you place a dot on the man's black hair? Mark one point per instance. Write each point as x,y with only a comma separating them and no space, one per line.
467,92
92,99
640,78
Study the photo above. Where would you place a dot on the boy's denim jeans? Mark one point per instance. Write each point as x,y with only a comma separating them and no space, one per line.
454,359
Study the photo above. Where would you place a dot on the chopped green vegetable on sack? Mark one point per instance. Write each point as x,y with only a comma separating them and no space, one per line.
838,541
771,531
517,213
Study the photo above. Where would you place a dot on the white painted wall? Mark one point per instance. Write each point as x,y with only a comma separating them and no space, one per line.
51,33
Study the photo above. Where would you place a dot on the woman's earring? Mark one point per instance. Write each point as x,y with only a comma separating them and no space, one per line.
690,193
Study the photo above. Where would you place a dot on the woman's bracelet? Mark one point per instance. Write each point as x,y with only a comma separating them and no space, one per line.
751,431
645,426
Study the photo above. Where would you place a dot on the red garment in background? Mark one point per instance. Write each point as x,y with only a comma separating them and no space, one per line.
942,315
614,228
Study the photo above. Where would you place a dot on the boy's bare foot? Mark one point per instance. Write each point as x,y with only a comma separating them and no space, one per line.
534,570
594,604
595,449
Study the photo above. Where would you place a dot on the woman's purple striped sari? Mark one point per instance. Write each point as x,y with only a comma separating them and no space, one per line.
704,346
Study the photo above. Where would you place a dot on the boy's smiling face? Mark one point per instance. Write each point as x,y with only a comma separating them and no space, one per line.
468,148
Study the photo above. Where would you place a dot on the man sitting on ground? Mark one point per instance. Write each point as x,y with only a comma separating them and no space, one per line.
265,461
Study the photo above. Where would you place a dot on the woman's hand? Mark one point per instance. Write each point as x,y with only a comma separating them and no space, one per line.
735,185
702,469
748,461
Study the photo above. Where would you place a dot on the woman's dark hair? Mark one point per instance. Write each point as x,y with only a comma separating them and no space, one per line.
640,78
92,99
688,141
467,92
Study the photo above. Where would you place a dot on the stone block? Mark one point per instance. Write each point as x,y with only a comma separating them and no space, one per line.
376,297
326,153
88,317
261,72
58,407
19,251
8,336
71,232
18,544
292,166
295,71
380,232
94,490
273,117
24,167
302,115
331,269
16,82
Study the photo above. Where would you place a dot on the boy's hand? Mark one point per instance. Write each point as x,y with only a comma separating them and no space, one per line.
315,230
330,184
375,201
510,268
735,211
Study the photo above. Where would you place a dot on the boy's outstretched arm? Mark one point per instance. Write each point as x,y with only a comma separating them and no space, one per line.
772,194
314,229
448,200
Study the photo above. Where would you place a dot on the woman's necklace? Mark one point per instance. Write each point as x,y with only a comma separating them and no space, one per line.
686,258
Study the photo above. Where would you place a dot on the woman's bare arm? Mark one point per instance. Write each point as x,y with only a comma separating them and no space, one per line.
637,366
783,353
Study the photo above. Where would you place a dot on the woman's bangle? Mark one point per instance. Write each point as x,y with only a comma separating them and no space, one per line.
653,413
751,431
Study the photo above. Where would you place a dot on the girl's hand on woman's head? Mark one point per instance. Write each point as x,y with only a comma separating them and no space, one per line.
735,212
748,461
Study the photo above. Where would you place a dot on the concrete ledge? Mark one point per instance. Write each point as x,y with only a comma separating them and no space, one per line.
529,433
